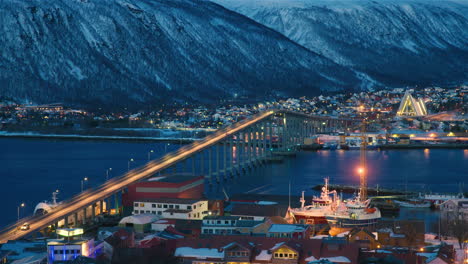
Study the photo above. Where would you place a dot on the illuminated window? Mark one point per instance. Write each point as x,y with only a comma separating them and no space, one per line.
142,205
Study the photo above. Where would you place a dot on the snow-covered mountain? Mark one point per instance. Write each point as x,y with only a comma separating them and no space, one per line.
394,42
131,51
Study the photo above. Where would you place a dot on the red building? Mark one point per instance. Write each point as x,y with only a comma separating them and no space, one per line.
166,186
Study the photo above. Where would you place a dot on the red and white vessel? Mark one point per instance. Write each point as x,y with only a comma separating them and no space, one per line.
315,212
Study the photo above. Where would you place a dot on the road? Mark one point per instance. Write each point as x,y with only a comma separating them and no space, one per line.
118,183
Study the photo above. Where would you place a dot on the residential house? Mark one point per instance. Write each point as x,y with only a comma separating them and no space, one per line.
254,211
364,238
259,250
403,233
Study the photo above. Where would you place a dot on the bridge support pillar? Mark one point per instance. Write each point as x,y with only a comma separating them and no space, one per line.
93,211
75,219
84,216
101,206
65,220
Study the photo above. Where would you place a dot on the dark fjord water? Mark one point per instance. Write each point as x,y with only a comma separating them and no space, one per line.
31,169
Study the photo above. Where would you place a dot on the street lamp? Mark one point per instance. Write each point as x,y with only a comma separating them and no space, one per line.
107,173
19,207
129,161
360,170
149,154
85,179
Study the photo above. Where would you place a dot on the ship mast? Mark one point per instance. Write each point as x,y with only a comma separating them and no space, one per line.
363,164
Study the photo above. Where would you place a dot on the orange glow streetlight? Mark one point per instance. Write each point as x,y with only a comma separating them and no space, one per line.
360,170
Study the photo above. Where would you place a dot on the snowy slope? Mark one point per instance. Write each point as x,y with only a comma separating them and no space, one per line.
129,51
395,42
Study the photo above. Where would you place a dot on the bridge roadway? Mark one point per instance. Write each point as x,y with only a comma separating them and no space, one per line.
116,184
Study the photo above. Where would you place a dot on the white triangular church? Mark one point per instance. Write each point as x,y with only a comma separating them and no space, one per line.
411,106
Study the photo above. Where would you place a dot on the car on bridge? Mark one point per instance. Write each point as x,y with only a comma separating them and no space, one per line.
24,227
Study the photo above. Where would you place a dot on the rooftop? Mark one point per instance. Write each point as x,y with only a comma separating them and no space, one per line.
169,201
281,228
176,178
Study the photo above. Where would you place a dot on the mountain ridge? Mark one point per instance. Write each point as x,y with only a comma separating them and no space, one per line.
388,42
140,51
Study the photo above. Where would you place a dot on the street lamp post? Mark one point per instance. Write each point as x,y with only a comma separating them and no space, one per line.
85,179
107,173
129,161
19,208
149,154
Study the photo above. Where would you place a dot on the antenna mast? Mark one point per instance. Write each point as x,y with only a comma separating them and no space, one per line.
363,163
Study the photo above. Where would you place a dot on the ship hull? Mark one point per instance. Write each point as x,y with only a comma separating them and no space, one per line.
340,222
310,220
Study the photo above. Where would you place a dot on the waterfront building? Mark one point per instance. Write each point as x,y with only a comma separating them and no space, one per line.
255,211
183,186
411,106
233,225
172,208
452,209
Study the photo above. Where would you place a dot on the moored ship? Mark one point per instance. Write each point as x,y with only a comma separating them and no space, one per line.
315,212
356,212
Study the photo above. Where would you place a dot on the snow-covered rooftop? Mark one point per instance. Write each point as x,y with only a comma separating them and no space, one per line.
139,219
264,255
284,228
199,253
